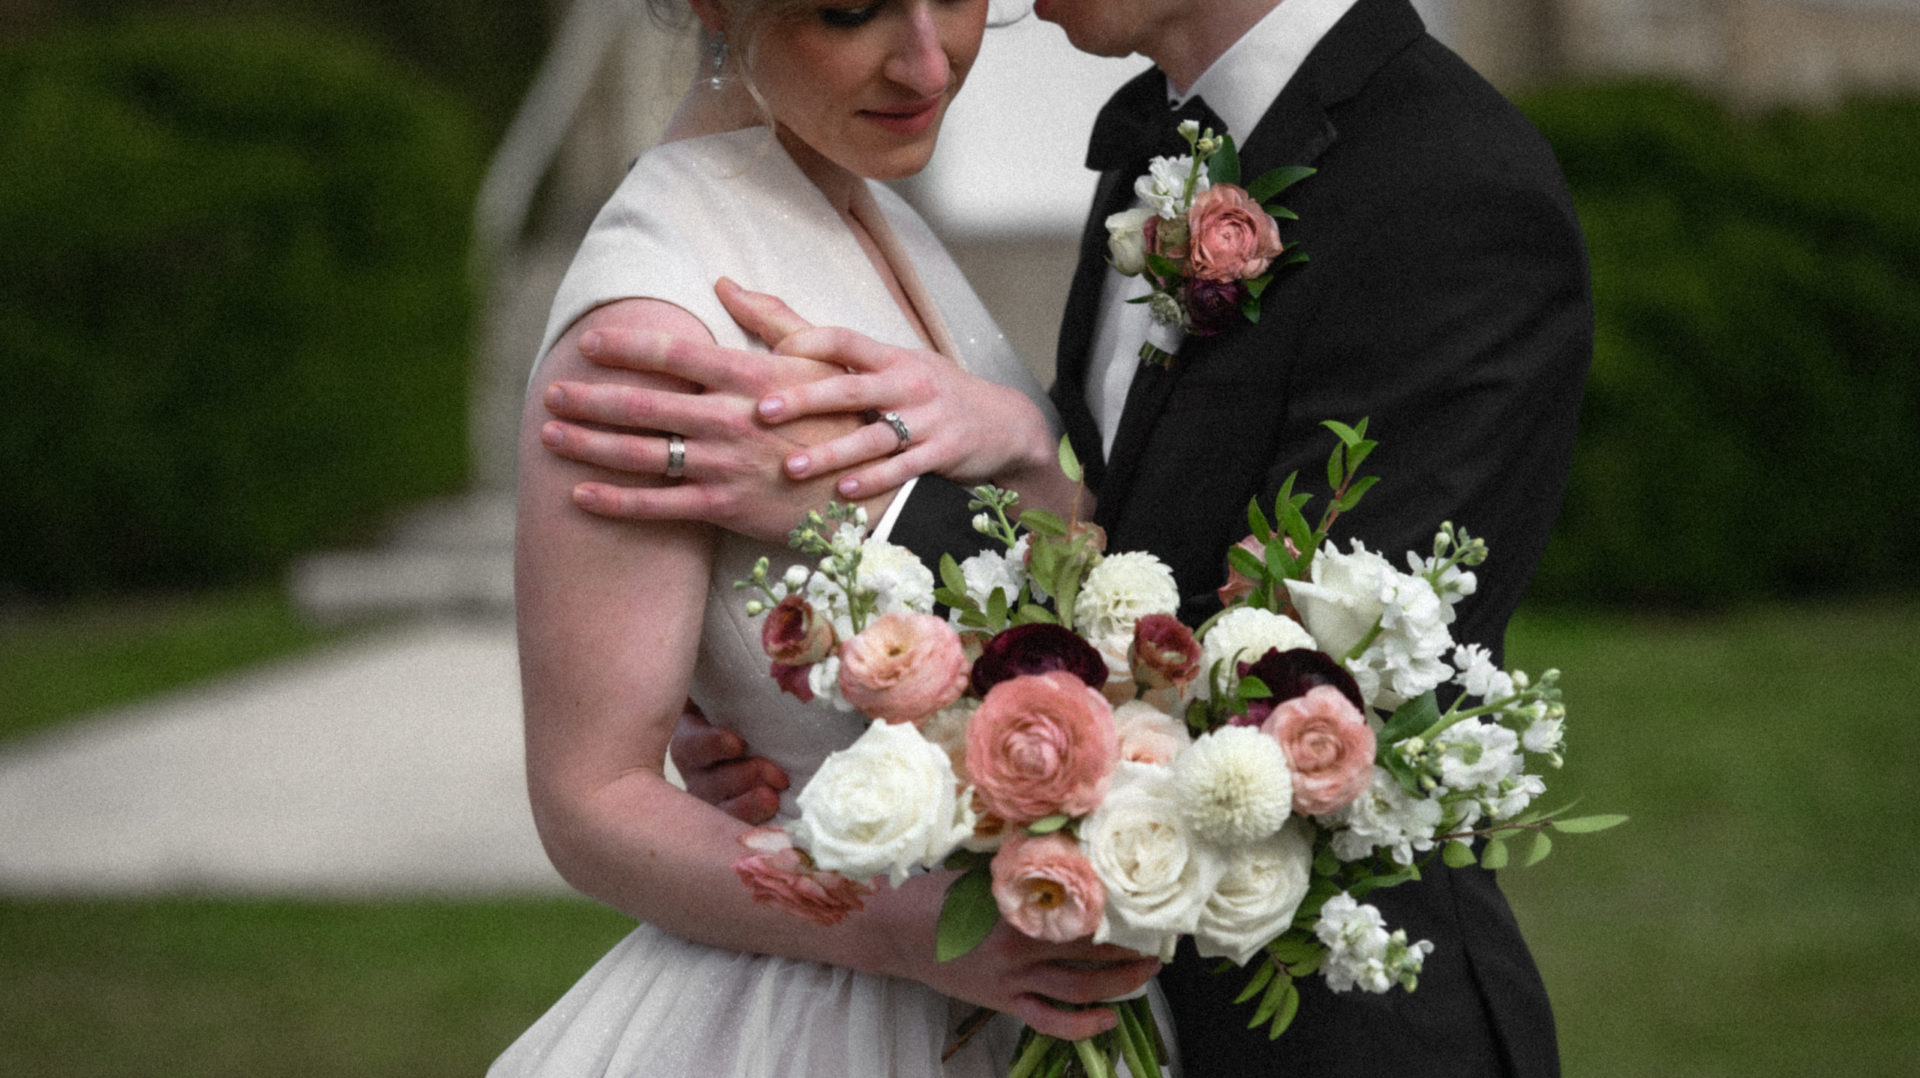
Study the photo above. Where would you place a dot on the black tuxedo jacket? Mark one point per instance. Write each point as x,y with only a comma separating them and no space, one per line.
1445,298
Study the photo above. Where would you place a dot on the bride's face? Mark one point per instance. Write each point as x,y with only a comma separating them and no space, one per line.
866,83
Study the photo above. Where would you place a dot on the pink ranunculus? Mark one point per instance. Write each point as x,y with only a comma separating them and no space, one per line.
1238,585
1233,238
794,634
903,667
1149,735
1329,749
781,876
1046,888
1164,653
1040,745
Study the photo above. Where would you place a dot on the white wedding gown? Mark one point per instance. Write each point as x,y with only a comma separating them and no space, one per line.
658,1006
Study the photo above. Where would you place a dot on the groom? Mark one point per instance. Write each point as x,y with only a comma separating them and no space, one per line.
1446,299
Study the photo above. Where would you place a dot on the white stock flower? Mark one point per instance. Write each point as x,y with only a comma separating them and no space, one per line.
1157,872
1243,635
992,570
1361,953
1349,594
1544,735
1164,187
1127,240
1385,817
1119,591
1258,894
888,803
1476,757
1479,676
898,578
1234,785
823,678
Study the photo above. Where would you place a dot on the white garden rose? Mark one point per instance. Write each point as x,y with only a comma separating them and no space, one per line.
1127,241
888,803
1157,872
1258,894
1119,591
1243,635
1344,599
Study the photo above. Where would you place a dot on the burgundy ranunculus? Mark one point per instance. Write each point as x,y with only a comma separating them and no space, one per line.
1213,305
793,680
794,634
1038,648
1164,654
1293,673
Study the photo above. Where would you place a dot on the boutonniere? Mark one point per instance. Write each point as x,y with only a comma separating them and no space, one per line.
1208,246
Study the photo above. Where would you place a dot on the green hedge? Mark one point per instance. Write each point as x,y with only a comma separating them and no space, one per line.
236,319
1752,422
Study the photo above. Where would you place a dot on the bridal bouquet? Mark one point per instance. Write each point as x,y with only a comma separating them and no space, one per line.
1096,769
1206,245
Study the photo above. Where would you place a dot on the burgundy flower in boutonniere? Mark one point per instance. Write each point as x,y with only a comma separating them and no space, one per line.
1206,245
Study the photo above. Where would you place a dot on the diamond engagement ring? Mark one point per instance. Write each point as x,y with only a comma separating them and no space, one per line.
900,430
676,456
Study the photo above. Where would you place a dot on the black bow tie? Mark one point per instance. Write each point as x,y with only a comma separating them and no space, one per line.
1131,131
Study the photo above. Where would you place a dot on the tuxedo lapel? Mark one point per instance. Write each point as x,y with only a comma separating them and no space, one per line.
1295,130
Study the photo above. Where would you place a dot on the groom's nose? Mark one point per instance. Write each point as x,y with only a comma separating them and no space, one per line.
919,59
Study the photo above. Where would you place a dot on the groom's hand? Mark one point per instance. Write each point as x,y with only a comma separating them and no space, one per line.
1031,980
714,766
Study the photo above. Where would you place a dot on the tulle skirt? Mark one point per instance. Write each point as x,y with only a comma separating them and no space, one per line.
658,1006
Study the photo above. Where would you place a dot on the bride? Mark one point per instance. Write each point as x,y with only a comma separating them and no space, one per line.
764,179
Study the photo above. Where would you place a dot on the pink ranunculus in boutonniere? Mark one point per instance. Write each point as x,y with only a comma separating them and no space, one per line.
1206,245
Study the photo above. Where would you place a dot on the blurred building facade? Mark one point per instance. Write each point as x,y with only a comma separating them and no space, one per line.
1753,52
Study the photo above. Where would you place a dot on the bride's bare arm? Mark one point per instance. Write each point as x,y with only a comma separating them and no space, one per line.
609,618
963,427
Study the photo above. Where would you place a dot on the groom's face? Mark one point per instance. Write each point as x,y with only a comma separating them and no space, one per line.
1108,27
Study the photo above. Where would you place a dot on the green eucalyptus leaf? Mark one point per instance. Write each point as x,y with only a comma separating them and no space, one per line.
1042,523
1031,613
1357,491
1283,1017
1274,181
1252,688
1409,719
967,916
1457,855
1224,166
1495,855
1262,974
1257,523
1336,467
997,608
1069,461
1346,434
1047,825
1586,825
951,576
1246,562
1542,846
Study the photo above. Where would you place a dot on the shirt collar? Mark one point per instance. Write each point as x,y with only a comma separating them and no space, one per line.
1241,84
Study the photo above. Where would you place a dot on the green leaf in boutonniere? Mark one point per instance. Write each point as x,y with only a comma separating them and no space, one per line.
1272,183
1224,165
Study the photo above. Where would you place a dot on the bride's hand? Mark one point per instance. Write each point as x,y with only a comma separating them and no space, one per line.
731,459
1012,972
966,428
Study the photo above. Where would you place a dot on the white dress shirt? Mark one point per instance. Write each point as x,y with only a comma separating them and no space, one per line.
1238,86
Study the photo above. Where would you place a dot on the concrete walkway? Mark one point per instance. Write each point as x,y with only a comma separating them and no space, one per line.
387,766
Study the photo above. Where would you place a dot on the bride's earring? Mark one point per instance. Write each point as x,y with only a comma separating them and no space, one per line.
717,61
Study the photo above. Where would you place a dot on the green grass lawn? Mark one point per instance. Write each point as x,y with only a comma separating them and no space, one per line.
72,660
1758,916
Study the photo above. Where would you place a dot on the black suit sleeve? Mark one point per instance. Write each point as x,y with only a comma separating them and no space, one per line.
1472,389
